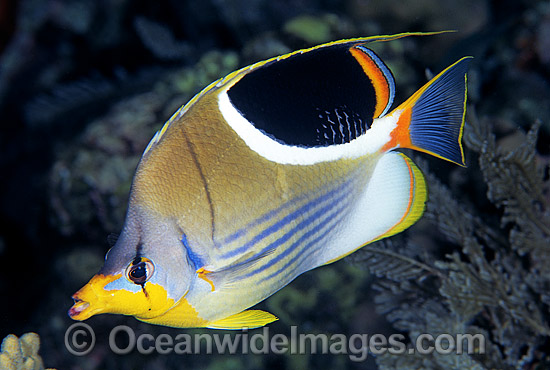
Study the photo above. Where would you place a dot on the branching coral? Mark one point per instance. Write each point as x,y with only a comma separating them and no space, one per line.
21,353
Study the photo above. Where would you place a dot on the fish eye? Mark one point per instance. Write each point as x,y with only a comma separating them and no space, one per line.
140,270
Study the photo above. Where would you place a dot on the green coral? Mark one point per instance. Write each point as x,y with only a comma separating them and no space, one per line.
318,29
311,29
21,353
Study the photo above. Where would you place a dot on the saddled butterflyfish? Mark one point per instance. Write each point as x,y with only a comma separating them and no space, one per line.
271,171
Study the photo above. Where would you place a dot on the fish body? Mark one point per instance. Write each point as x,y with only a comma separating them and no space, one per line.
276,169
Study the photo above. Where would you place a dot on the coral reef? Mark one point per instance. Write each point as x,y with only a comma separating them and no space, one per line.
21,353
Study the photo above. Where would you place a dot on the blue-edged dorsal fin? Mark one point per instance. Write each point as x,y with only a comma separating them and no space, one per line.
236,76
317,98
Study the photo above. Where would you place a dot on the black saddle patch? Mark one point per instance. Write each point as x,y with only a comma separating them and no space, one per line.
318,98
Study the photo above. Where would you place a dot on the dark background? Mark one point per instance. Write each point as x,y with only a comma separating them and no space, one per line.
68,69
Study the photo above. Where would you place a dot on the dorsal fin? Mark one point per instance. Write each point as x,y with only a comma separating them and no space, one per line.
317,98
235,76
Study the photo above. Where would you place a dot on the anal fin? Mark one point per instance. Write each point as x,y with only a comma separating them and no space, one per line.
393,200
417,196
246,319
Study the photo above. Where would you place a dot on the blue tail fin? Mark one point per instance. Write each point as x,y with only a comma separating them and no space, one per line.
434,115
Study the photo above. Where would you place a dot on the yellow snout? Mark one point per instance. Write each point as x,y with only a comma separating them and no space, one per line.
93,298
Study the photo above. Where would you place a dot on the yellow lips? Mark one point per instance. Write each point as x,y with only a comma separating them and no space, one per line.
148,302
90,299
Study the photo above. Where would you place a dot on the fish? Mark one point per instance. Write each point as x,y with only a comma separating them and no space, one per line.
278,168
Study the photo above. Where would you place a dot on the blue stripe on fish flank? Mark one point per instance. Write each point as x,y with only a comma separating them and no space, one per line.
264,218
285,220
323,211
300,226
266,232
193,257
335,217
302,255
319,239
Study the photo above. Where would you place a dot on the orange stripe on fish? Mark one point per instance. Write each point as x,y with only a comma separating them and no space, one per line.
400,136
377,78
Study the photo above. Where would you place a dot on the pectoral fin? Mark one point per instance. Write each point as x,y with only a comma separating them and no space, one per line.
227,277
247,319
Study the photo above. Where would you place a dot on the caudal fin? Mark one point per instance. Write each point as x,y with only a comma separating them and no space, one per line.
432,119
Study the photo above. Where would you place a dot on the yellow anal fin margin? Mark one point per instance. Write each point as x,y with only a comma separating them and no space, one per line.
247,319
417,200
403,181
